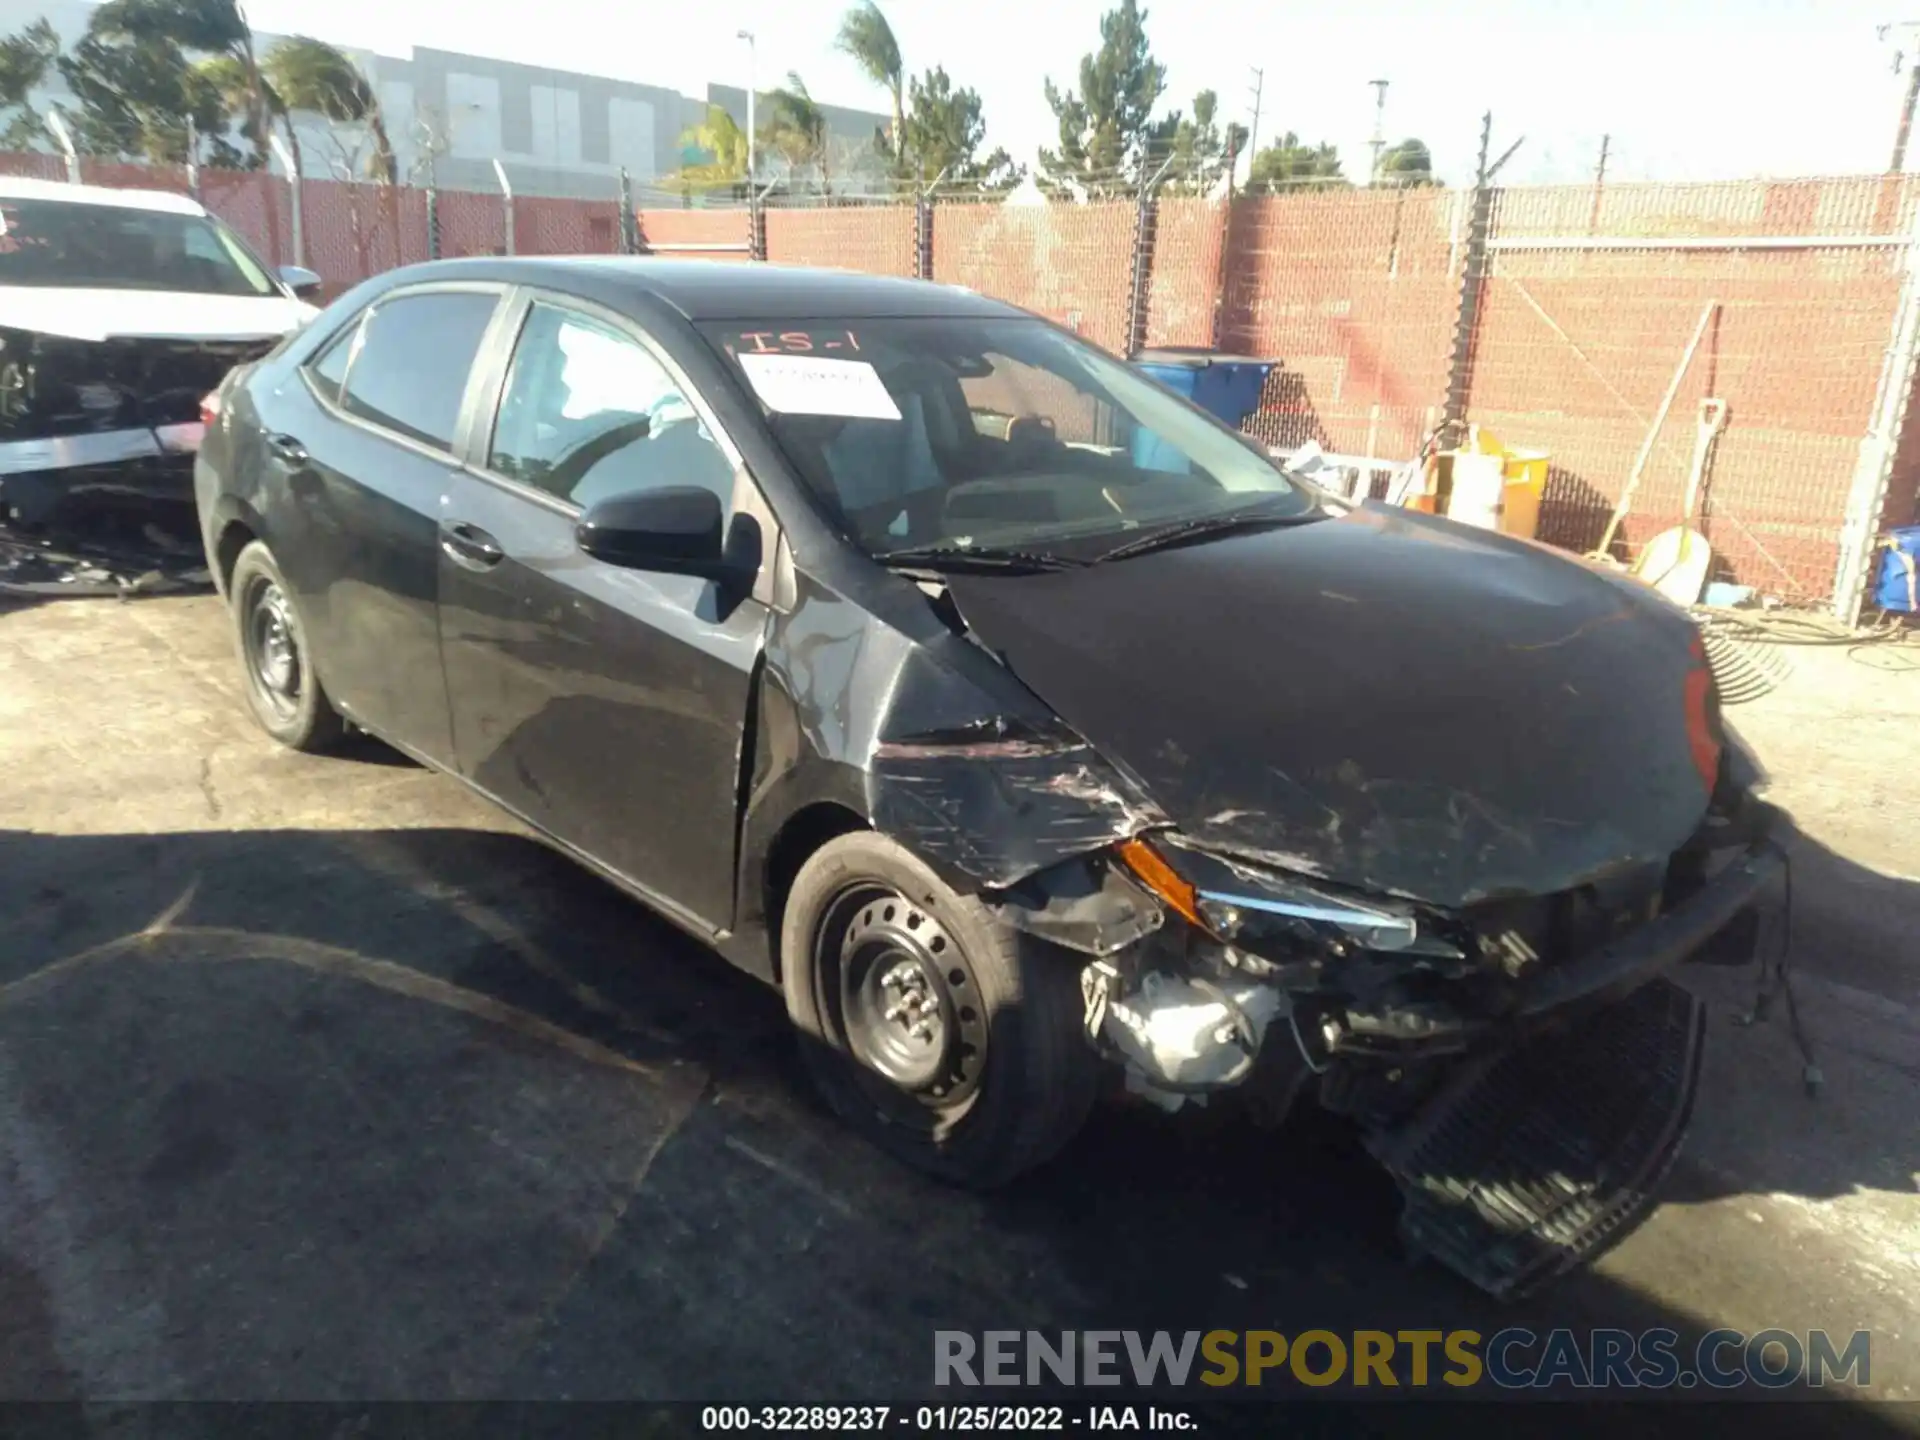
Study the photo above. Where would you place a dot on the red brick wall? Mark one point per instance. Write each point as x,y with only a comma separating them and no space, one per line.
1184,297
1354,293
355,231
696,227
1070,263
1575,348
875,238
32,166
548,225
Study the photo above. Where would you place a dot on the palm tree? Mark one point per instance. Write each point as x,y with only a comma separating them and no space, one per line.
227,76
309,74
214,28
25,59
868,38
796,128
725,141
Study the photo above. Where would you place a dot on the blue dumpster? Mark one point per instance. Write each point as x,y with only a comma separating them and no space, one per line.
1227,386
1899,587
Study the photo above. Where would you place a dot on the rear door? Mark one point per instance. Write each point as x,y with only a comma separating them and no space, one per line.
606,705
362,439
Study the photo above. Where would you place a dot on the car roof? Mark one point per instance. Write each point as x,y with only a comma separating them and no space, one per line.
19,188
725,290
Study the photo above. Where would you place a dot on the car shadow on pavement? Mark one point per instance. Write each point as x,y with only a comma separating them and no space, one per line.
435,1113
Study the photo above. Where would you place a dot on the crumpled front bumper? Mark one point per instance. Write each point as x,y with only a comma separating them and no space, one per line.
39,479
1616,970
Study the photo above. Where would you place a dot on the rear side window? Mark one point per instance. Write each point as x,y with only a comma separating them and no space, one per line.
409,370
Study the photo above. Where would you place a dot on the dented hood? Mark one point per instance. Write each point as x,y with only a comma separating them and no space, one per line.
1384,700
80,314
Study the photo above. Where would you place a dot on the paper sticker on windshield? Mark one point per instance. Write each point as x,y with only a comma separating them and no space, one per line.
809,385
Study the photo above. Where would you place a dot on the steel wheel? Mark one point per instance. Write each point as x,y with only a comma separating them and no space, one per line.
932,1026
906,1000
272,646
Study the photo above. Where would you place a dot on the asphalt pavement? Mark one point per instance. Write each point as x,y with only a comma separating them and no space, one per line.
319,1079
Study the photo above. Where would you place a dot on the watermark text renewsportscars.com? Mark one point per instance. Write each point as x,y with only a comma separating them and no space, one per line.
1509,1359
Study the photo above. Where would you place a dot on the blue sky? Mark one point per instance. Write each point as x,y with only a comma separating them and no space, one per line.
1689,89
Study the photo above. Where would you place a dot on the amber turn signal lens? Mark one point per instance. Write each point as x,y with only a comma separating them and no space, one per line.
1163,880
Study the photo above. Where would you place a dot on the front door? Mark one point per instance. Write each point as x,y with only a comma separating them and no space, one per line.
607,706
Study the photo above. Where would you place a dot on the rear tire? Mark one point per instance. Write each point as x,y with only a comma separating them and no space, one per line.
276,663
945,1036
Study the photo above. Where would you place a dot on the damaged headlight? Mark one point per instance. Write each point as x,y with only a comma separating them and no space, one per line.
1232,901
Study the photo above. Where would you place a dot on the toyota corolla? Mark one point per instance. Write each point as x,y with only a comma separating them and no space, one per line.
1029,728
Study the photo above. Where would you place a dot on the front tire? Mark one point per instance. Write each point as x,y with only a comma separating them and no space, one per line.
283,689
943,1035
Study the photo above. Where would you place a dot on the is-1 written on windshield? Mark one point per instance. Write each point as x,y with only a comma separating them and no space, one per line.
974,436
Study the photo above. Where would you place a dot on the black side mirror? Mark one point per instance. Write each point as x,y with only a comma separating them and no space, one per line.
675,529
302,281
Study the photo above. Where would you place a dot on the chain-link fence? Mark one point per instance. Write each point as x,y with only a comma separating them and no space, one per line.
1581,303
699,234
1354,292
1069,263
1589,306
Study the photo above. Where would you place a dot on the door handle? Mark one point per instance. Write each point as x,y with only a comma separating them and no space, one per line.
470,546
287,450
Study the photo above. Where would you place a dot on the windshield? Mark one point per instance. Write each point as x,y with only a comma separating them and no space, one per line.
104,247
999,434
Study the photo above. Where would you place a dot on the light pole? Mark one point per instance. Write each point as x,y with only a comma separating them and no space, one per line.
1253,132
1900,58
1379,141
753,144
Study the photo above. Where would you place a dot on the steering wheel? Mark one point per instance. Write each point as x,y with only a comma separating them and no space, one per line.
1026,432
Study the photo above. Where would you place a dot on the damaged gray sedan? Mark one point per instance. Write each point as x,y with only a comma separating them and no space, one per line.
1030,729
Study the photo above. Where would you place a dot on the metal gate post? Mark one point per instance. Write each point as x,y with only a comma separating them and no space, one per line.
629,224
1140,292
1473,271
923,224
296,190
1892,407
923,236
506,200
433,223
1473,280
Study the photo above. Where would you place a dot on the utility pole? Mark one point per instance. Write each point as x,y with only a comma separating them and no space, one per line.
1253,131
1379,141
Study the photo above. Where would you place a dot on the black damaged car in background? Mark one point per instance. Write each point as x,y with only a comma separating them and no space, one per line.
1030,729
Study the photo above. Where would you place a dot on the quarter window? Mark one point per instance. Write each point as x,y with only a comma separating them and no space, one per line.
330,367
588,412
409,371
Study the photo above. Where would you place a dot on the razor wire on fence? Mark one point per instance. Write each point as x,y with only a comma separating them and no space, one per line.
1585,301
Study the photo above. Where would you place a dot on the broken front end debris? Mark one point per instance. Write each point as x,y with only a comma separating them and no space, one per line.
1524,1069
97,444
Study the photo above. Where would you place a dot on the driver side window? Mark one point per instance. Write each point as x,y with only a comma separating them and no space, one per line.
588,413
